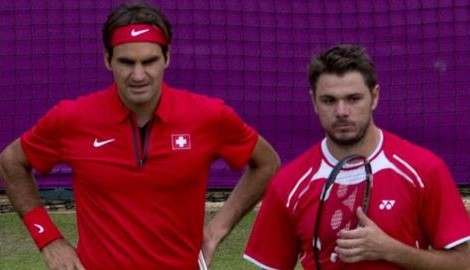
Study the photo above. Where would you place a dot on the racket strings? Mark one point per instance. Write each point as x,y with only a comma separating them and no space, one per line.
350,200
342,194
336,219
343,206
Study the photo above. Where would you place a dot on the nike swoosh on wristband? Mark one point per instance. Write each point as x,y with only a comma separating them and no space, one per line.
97,143
135,33
39,227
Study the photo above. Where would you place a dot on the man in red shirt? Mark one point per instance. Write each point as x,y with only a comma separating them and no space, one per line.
140,151
414,203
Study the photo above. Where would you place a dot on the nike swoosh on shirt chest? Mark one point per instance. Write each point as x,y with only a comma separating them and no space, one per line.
99,143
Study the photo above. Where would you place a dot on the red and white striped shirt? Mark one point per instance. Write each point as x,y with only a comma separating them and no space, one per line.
414,200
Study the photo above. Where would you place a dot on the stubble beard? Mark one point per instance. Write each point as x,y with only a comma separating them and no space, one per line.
350,142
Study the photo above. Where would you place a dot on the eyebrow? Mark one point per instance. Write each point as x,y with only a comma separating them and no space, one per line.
150,60
342,97
126,60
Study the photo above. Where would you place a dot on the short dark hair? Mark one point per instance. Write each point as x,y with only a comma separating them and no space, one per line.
341,59
139,12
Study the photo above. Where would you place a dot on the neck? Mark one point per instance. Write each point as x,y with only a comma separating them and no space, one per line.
142,119
143,112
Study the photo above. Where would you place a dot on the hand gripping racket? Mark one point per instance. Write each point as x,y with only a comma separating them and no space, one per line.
348,187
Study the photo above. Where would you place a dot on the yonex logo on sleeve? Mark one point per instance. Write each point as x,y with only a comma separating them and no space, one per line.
387,204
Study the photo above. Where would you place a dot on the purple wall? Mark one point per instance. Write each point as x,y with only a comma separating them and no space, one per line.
254,55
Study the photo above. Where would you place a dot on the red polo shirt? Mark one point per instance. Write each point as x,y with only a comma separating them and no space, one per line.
139,207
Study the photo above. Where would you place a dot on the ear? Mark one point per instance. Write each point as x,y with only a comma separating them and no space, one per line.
107,60
168,57
312,96
375,96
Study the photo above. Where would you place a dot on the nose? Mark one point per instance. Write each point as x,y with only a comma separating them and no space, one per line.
342,109
138,73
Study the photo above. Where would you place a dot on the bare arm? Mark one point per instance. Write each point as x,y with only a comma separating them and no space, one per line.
23,194
19,183
371,243
263,163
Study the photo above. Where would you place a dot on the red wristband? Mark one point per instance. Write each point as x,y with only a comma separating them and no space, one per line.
40,227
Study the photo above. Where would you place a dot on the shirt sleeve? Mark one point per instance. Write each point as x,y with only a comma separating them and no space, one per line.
447,222
42,143
273,243
236,139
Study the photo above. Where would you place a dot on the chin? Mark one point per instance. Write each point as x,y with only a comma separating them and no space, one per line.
138,100
345,139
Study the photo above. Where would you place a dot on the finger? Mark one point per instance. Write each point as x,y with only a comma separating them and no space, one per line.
349,234
348,243
342,243
350,258
349,255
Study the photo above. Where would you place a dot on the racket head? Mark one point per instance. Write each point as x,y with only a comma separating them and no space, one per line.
348,187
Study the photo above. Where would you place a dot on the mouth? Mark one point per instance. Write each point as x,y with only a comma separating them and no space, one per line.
342,126
138,88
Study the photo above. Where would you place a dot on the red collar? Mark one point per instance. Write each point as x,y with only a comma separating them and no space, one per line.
162,112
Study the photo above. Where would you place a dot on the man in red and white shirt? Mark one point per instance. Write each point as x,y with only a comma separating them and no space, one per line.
414,203
140,152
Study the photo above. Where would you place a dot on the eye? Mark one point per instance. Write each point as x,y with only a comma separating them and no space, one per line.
328,100
353,99
125,61
150,61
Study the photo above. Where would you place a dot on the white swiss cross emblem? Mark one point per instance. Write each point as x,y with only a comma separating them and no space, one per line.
180,141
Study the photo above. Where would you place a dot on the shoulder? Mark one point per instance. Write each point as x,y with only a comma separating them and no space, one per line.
414,153
94,100
195,105
296,171
411,157
72,112
103,98
188,98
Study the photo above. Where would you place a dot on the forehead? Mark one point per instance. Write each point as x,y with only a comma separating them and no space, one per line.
137,50
341,85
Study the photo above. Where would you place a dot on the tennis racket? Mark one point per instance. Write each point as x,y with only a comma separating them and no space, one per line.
348,187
